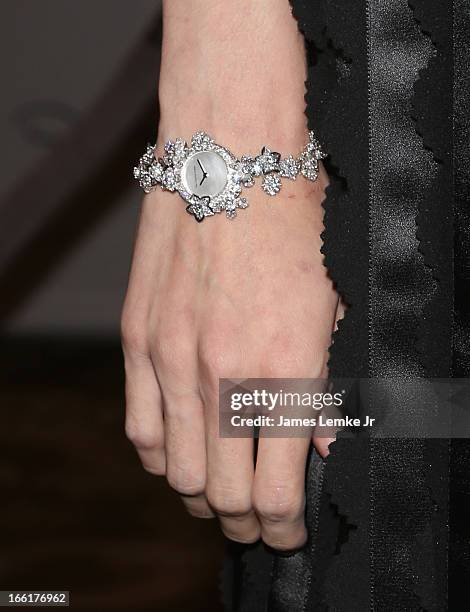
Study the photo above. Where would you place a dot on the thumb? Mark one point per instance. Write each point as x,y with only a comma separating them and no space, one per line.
322,443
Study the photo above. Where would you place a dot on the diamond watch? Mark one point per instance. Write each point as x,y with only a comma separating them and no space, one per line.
210,179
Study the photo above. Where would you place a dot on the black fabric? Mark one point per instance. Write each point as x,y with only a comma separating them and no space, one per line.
381,99
459,557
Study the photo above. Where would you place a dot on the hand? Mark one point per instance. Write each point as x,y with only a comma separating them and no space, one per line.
247,298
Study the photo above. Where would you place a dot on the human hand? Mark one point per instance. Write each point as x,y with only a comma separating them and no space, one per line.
244,298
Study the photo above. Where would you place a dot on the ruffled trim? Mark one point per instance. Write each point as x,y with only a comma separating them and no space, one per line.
434,219
337,87
344,211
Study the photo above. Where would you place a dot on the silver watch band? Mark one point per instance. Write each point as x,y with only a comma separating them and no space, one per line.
210,179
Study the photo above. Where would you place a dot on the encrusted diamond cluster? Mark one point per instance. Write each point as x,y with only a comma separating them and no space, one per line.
168,172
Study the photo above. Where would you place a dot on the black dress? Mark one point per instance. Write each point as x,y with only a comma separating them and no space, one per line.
388,98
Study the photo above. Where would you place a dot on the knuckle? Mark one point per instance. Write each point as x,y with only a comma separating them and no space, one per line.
185,481
133,336
172,351
278,507
188,488
217,361
283,365
290,355
228,503
141,437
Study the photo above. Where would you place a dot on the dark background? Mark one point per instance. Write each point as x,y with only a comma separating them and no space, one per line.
79,82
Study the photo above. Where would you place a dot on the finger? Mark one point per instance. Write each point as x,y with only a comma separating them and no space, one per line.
322,444
229,483
230,475
197,506
340,312
174,356
144,419
185,448
279,491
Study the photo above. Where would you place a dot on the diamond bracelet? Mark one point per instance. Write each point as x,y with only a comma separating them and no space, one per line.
210,179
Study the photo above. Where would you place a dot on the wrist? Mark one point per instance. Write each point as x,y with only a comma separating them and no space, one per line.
239,110
234,71
242,133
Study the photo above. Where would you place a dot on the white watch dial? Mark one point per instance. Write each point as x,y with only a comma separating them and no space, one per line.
204,174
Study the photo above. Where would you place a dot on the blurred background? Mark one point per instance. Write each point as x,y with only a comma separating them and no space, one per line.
78,105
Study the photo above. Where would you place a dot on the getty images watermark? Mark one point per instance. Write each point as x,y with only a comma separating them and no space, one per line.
284,408
388,408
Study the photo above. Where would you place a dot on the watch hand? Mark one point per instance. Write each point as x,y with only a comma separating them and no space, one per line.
201,166
203,178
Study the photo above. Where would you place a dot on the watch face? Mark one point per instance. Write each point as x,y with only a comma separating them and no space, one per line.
204,174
